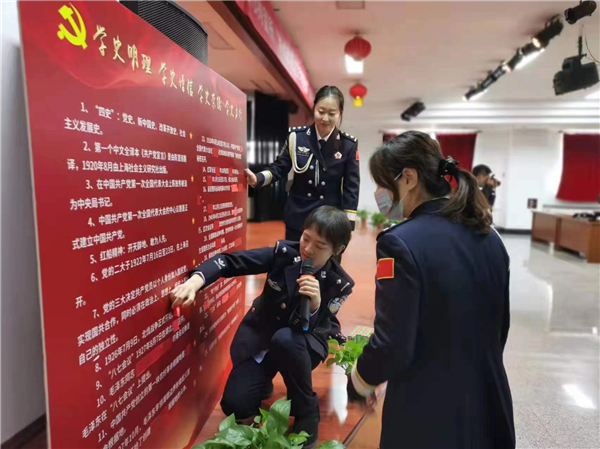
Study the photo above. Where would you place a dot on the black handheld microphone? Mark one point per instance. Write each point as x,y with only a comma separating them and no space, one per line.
307,269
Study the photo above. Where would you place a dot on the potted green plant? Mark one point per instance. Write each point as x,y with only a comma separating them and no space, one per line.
346,355
363,215
378,220
268,432
390,223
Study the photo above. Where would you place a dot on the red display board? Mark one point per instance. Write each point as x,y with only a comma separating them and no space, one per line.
138,152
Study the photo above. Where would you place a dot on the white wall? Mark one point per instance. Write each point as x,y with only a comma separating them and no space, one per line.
22,375
528,162
368,141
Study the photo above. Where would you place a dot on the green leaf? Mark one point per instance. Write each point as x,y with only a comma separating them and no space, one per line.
330,362
236,437
339,357
331,445
257,419
277,441
279,416
248,432
264,415
333,342
217,444
332,350
296,439
227,423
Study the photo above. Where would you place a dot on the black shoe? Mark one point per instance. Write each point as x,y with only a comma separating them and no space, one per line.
310,426
340,338
268,391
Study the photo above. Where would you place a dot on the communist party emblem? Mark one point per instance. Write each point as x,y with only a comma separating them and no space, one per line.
78,36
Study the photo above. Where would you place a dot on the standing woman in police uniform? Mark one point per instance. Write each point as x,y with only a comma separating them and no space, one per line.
270,338
325,164
442,306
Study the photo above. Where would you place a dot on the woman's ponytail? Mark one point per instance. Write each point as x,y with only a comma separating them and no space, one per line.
414,149
466,205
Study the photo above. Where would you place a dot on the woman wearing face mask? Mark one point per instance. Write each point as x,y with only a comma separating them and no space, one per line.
442,306
270,338
325,164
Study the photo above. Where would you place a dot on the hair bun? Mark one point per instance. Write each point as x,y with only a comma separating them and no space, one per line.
448,166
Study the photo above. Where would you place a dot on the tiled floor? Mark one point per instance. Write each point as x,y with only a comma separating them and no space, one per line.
552,355
552,351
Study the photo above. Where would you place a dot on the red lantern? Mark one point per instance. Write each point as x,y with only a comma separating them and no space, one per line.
358,48
358,92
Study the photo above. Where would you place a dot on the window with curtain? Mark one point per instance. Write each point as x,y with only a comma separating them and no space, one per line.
460,146
580,179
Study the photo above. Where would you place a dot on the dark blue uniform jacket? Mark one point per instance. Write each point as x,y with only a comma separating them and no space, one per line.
278,304
328,176
442,319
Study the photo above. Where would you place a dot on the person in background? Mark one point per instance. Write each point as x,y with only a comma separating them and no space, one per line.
482,174
270,338
489,190
325,164
442,306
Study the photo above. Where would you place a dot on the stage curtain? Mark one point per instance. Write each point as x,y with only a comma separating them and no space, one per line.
580,179
460,146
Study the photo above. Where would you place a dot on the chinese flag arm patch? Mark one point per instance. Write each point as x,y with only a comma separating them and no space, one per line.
357,158
385,268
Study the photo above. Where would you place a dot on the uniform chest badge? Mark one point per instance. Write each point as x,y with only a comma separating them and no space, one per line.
336,303
274,285
303,150
308,132
337,155
297,259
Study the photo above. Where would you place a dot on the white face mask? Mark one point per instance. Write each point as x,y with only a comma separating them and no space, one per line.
394,212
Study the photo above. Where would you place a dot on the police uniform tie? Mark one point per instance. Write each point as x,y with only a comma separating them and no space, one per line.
322,143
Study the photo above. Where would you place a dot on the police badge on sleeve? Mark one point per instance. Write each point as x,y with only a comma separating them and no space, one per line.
336,303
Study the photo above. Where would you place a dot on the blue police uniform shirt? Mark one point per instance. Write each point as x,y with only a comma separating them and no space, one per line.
328,176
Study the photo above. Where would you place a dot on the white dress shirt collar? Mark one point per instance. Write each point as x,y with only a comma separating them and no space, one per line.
324,138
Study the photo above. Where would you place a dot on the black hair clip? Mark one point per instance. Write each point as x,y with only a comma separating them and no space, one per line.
448,167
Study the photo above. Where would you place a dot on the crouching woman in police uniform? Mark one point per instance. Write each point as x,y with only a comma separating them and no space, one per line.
442,306
270,338
325,163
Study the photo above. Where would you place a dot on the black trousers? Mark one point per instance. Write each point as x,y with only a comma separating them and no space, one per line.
250,381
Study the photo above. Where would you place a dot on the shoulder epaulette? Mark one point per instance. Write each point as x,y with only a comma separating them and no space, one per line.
348,136
297,128
385,231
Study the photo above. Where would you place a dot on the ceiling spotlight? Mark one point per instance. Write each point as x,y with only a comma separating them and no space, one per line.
585,8
474,93
512,63
575,76
500,71
414,110
553,28
529,52
522,57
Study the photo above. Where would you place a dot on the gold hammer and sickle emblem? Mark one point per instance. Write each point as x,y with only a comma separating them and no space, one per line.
78,39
